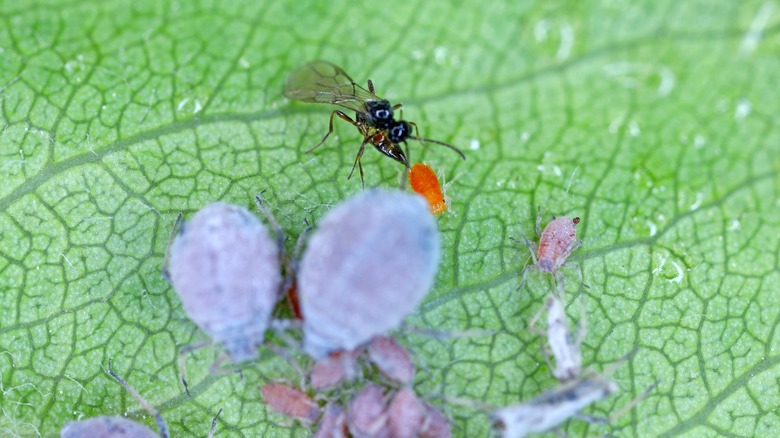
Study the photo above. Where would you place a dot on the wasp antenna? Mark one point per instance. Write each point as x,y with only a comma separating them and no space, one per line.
426,140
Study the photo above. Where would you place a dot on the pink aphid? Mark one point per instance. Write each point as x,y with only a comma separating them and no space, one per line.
290,402
556,243
391,359
367,416
369,263
409,417
333,423
332,370
226,268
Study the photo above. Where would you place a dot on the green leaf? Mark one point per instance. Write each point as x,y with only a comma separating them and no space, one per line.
654,121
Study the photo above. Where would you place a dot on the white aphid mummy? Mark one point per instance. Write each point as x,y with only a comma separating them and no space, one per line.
368,265
564,346
551,408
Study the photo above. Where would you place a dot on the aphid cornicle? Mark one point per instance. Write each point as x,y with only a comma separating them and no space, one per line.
322,82
369,263
226,268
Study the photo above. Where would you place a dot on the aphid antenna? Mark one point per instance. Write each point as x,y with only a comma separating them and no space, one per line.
182,366
167,258
214,424
273,222
284,352
161,425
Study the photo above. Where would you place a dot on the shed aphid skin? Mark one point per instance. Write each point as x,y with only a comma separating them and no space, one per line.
556,243
557,405
226,268
369,263
322,82
563,345
333,423
425,183
551,408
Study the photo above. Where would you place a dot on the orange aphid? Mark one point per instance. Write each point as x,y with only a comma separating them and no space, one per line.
425,183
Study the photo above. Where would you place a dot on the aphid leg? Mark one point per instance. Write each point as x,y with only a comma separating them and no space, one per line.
151,410
342,116
285,354
167,258
214,424
577,266
634,402
538,222
357,162
582,329
182,368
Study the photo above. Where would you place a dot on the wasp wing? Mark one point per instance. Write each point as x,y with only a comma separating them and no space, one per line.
322,82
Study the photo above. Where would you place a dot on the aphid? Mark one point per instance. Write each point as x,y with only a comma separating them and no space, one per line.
366,416
290,402
405,414
323,82
556,243
426,184
120,427
226,269
391,359
368,265
332,370
564,346
333,423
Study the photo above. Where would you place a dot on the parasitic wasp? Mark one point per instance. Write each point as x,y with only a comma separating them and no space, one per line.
322,82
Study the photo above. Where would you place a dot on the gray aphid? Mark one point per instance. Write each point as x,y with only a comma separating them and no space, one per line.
370,262
226,269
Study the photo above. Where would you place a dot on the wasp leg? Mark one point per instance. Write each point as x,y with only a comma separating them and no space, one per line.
343,117
357,162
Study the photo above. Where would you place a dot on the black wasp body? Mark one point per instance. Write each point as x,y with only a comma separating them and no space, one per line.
323,82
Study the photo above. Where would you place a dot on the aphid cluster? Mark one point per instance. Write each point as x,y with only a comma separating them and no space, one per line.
368,264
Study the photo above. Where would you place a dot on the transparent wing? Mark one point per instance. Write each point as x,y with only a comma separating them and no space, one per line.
323,82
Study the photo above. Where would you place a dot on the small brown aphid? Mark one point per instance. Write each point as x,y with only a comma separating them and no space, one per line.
290,402
392,359
322,82
337,367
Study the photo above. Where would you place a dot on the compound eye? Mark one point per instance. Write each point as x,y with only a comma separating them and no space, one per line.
383,114
399,132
